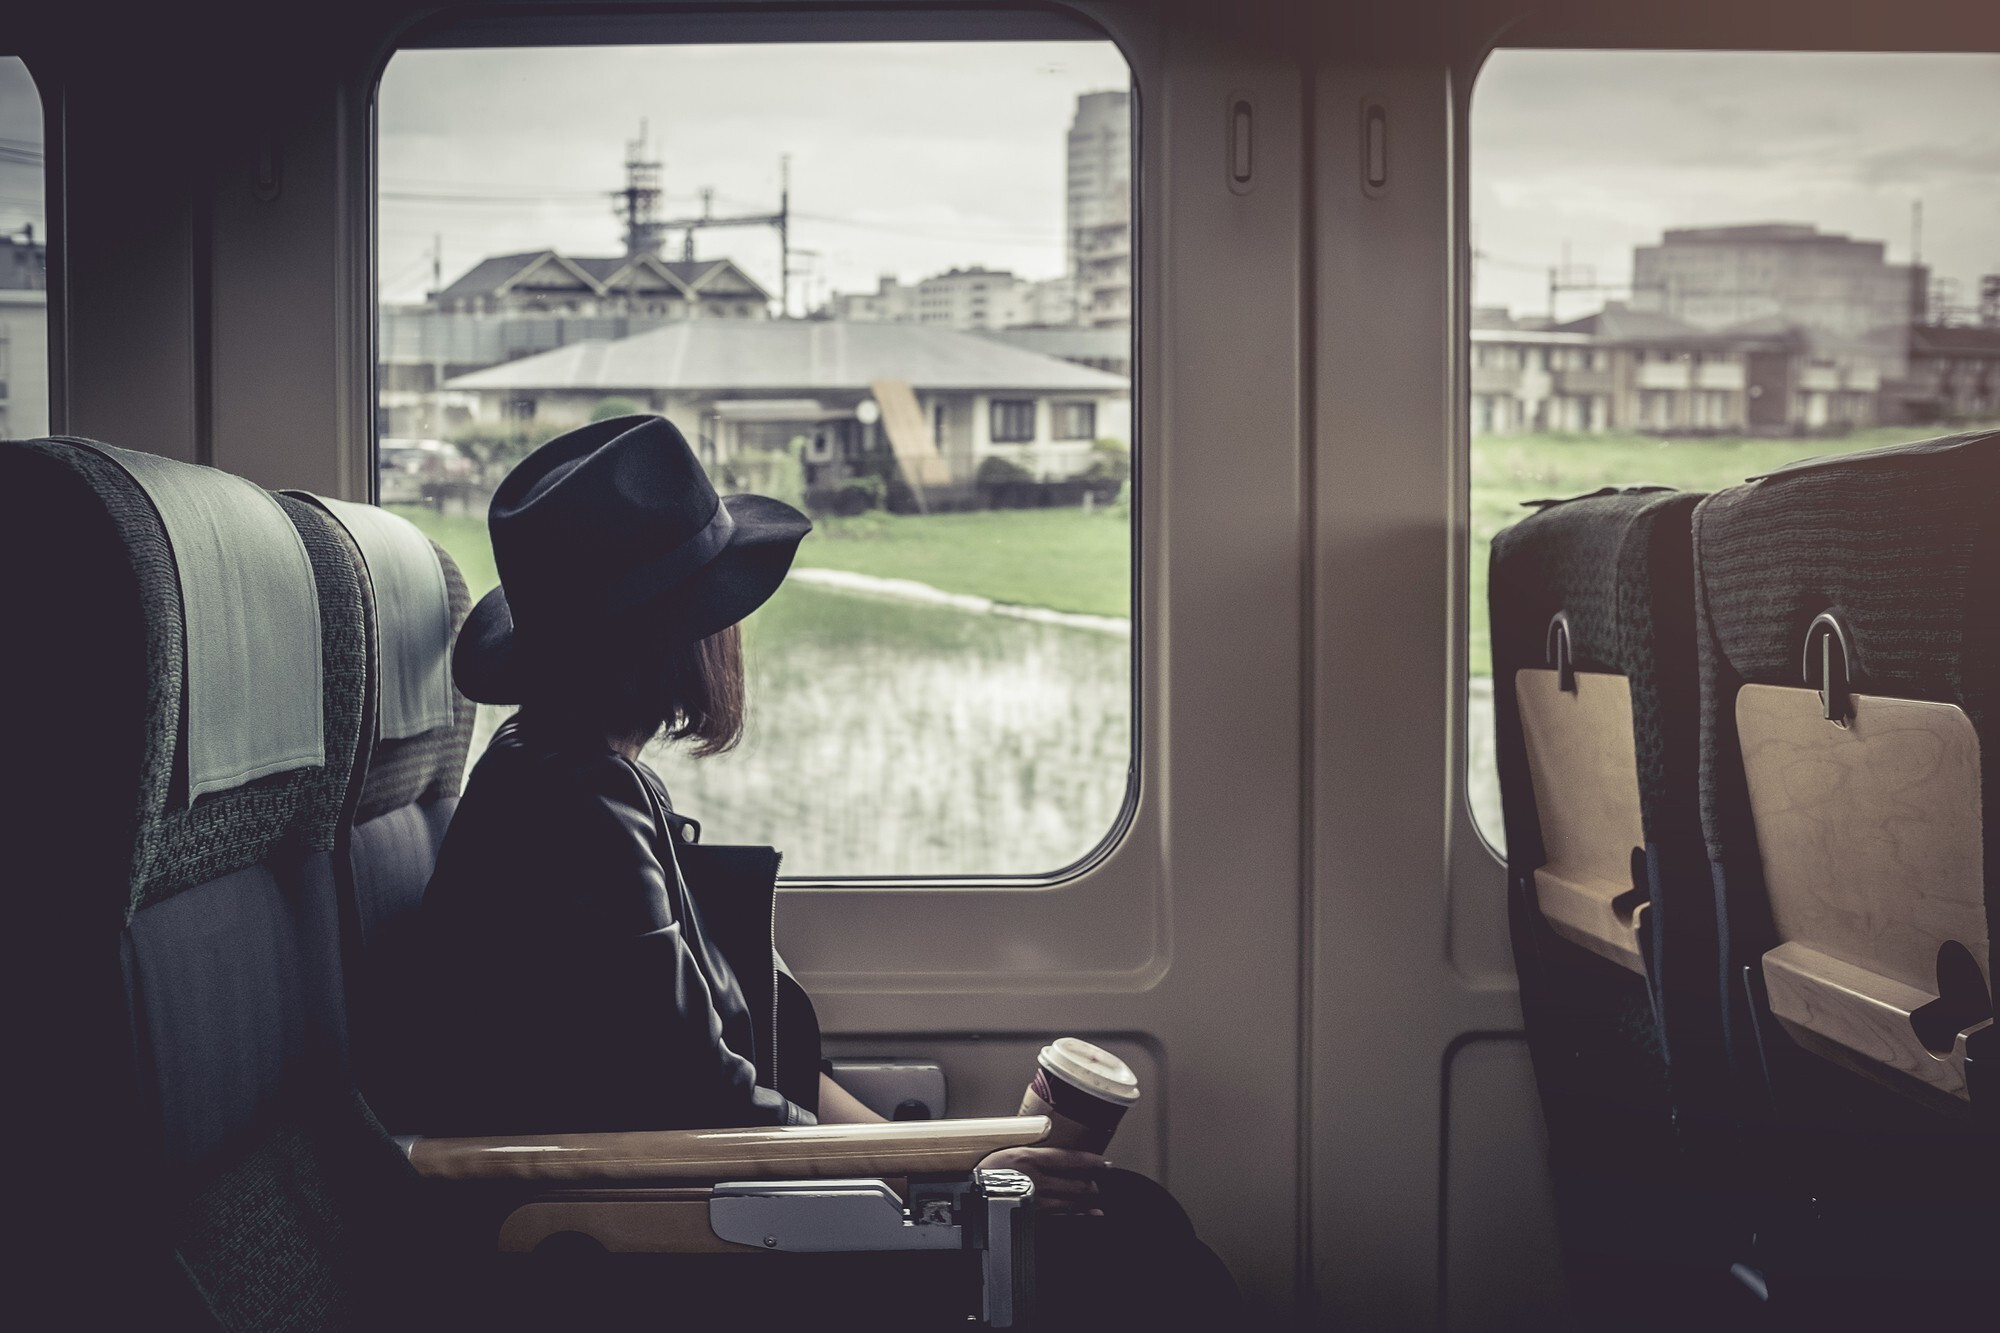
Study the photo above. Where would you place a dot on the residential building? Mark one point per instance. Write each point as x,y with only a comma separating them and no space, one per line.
1638,370
749,390
542,282
1525,380
892,302
968,298
1954,376
24,338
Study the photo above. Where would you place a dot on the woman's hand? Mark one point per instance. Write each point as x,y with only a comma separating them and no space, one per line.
1065,1179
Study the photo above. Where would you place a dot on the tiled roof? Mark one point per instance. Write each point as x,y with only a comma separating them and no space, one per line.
494,273
795,358
490,274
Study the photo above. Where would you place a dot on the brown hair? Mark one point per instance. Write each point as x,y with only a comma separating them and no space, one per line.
651,683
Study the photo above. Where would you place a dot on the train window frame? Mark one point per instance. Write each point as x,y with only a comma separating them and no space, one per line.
499,26
1581,33
41,82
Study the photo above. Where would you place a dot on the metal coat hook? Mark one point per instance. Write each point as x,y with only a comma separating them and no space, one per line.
1832,660
1560,653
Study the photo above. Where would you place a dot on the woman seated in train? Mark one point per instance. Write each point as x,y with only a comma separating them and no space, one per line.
578,980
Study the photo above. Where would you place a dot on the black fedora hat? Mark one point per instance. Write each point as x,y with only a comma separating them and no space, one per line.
600,528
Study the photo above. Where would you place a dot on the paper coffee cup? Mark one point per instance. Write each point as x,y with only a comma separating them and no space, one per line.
1084,1090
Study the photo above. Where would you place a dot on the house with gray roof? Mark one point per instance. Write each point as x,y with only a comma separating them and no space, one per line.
830,391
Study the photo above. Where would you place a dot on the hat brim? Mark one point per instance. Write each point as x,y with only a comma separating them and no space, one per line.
488,662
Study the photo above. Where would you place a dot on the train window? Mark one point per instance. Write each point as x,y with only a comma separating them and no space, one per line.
1689,267
24,285
837,270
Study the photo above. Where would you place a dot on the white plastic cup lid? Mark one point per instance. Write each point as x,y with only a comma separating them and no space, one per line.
1091,1068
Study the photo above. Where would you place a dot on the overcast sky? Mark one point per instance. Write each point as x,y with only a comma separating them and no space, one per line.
1605,149
907,158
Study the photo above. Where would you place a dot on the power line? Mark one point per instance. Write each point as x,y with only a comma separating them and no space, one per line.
1023,237
506,201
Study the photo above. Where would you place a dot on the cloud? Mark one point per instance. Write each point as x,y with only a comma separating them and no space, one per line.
1601,150
905,157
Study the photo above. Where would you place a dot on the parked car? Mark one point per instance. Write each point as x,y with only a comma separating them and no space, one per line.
420,471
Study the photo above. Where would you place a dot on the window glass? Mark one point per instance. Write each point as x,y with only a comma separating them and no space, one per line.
797,254
1691,267
24,281
1013,421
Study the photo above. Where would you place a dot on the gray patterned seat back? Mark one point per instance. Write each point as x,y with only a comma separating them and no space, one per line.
409,786
1889,562
1594,687
194,1027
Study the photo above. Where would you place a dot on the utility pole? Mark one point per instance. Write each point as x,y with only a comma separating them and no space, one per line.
430,328
1568,277
1921,287
639,202
781,220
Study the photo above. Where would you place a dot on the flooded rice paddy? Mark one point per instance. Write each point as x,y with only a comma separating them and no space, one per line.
888,737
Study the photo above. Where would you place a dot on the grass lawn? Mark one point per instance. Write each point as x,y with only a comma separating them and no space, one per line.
1508,469
1065,559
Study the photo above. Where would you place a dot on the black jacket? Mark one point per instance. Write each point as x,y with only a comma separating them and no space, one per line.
587,965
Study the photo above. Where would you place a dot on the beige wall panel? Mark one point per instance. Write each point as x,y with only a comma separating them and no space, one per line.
1186,935
1409,923
280,371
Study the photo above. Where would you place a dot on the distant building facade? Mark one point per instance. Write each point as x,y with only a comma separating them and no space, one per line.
24,338
1954,375
1853,308
511,306
1766,329
748,390
968,298
1630,370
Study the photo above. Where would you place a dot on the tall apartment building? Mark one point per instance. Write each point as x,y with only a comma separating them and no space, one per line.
1098,234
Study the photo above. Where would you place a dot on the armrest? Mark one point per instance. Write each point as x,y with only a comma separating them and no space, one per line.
792,1152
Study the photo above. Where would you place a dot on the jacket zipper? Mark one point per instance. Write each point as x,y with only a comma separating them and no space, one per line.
774,969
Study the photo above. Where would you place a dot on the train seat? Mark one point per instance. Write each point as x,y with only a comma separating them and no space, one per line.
1850,661
415,739
202,668
1592,615
198,649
